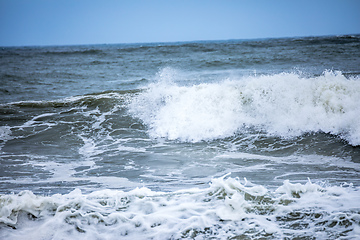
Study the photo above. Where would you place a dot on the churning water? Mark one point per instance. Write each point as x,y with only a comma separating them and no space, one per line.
232,139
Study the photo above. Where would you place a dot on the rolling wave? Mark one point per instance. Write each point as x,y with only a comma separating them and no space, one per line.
228,208
284,105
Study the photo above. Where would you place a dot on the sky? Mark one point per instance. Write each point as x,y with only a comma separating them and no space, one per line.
73,22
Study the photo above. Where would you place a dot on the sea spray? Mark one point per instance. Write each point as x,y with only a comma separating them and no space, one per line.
284,105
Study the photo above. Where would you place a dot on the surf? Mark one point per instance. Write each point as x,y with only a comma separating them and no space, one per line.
228,207
284,105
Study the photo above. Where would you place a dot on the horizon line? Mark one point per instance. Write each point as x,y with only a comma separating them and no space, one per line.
171,42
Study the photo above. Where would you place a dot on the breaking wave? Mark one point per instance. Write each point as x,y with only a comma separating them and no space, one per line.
228,208
284,105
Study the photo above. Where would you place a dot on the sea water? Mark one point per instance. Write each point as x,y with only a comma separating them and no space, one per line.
237,139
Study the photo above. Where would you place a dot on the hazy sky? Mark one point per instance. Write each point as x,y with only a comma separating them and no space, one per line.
63,22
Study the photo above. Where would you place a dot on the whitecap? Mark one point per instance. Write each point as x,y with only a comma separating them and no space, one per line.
284,105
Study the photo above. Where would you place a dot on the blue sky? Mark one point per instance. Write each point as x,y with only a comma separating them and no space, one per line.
64,22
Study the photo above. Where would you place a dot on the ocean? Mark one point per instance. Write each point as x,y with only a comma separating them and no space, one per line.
235,139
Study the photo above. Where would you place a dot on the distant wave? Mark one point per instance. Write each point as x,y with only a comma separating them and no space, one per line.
95,99
74,52
284,105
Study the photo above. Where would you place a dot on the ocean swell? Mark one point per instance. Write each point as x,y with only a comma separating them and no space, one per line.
284,105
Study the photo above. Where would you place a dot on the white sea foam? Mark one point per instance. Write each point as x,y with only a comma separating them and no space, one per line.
227,208
5,135
284,105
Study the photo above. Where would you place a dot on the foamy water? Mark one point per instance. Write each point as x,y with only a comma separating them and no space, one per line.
227,208
284,105
203,140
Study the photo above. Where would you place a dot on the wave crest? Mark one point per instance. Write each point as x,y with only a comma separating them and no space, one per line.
284,105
